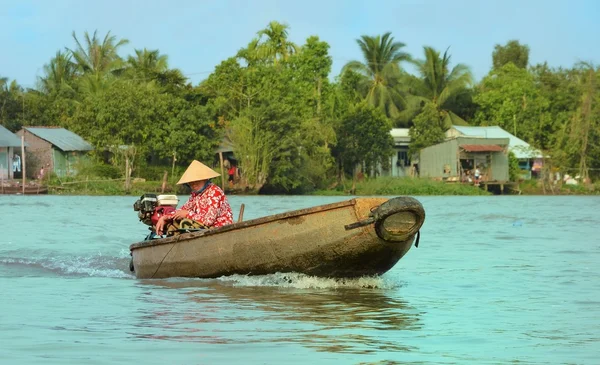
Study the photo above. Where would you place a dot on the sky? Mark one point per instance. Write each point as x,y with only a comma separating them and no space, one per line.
198,34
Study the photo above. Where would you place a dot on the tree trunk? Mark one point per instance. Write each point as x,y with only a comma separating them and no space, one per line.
173,166
164,183
127,175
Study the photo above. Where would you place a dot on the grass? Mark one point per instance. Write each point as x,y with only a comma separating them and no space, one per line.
105,187
386,186
534,187
404,186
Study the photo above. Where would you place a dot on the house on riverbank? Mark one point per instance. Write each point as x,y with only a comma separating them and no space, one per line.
55,149
458,158
530,158
400,160
11,161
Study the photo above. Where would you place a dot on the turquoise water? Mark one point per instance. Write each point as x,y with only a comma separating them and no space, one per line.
495,280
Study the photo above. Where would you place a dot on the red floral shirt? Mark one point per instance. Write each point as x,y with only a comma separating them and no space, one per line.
210,207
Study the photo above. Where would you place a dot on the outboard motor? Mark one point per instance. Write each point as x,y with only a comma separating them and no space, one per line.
151,207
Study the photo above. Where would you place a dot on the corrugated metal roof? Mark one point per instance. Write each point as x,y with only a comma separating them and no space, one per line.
9,139
482,148
520,148
225,146
61,138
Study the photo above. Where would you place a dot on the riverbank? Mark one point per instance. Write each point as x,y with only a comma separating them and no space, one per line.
382,186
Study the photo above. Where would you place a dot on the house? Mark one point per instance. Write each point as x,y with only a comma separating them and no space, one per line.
400,160
530,158
225,150
55,148
457,158
400,163
10,155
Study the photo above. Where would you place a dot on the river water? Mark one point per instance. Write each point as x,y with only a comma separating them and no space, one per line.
495,280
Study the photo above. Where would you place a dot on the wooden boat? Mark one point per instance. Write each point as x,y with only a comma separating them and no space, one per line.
29,189
357,237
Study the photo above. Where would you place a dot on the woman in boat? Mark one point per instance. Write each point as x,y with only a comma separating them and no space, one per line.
207,204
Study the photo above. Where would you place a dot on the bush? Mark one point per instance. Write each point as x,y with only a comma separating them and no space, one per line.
153,172
100,170
390,186
514,171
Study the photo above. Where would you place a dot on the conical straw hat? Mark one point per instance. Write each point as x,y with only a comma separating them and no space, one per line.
197,171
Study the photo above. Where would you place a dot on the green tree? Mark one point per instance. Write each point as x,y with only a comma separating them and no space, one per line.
380,71
309,70
510,98
428,129
59,74
513,52
150,66
560,87
364,138
262,108
146,64
11,104
441,85
272,45
580,141
155,123
97,60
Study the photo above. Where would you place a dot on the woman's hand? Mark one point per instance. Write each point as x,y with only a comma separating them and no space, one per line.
160,225
180,214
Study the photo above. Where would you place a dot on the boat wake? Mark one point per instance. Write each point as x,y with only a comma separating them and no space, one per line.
301,281
95,266
100,265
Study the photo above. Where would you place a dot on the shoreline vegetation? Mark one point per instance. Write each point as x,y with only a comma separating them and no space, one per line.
384,186
275,111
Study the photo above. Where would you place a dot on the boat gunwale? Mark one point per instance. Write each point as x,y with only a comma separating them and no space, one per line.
244,224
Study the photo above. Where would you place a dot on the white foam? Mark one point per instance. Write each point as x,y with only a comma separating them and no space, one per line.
301,281
96,266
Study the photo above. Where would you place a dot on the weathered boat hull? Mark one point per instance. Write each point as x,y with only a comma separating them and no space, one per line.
29,190
315,241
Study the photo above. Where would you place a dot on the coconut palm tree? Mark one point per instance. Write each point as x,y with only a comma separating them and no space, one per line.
97,60
440,85
381,72
59,73
272,45
96,57
147,63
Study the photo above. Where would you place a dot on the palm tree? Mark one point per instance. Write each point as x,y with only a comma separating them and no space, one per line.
440,85
59,73
147,64
277,46
272,45
381,72
11,95
98,58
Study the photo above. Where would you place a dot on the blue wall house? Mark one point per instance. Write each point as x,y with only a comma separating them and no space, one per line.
56,149
11,162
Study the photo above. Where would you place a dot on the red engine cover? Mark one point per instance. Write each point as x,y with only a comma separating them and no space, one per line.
159,212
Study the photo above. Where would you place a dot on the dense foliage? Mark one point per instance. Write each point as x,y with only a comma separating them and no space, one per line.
294,129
